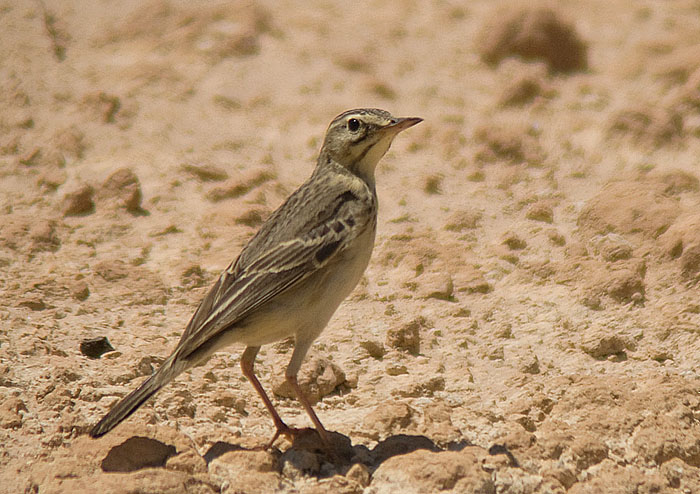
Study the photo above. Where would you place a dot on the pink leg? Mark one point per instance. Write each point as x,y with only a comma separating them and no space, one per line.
248,368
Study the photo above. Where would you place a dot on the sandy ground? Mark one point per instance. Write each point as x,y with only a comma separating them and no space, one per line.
528,322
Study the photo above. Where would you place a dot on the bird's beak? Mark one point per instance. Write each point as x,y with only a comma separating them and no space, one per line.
398,124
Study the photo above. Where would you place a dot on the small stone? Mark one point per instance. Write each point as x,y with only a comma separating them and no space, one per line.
32,301
406,337
79,201
611,247
513,241
10,413
206,172
387,418
556,238
540,211
600,345
359,473
79,290
239,186
393,369
463,220
530,365
43,236
298,463
533,33
437,285
122,189
374,348
317,378
52,178
95,347
432,184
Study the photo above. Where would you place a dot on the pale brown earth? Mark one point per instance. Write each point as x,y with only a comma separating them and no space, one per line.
529,322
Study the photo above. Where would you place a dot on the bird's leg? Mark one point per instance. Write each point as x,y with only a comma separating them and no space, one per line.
248,368
301,346
325,436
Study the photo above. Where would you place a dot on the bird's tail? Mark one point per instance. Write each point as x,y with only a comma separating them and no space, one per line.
138,397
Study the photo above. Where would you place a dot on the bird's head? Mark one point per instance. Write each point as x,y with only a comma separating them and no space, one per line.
357,139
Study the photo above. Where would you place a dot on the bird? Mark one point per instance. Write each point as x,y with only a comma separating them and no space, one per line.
296,270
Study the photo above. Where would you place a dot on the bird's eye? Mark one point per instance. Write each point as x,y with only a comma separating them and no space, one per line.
353,125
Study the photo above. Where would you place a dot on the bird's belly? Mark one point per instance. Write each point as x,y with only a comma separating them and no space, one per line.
306,308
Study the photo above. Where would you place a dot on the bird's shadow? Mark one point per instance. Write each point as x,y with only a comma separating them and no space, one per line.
345,454
307,453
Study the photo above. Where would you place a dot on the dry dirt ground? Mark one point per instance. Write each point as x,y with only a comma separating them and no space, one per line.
529,322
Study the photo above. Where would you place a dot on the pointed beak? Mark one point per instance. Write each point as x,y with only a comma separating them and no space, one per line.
399,124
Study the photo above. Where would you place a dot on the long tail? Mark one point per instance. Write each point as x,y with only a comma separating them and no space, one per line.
138,397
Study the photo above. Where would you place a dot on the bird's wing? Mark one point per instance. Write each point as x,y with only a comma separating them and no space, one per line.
241,289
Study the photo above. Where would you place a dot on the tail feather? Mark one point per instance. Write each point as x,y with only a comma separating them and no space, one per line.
131,402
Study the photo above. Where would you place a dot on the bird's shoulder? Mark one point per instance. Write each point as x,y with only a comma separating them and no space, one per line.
331,193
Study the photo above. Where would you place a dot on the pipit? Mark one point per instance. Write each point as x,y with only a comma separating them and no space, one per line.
292,275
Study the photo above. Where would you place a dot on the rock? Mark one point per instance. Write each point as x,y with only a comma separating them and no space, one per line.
529,364
250,472
433,184
70,141
556,237
517,481
423,387
239,186
374,348
625,285
611,247
359,473
682,234
79,290
659,439
509,144
33,301
11,413
524,90
533,33
652,127
584,452
112,270
298,463
317,378
690,262
437,285
679,181
43,236
187,461
425,471
79,201
470,279
407,337
611,478
387,418
680,475
600,344
206,172
95,347
52,178
463,220
513,241
121,190
628,208
540,211
437,422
